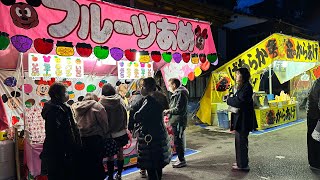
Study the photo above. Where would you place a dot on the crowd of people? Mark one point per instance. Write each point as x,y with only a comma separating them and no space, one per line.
79,137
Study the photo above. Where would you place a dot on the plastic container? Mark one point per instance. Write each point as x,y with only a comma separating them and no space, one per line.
223,119
3,135
270,97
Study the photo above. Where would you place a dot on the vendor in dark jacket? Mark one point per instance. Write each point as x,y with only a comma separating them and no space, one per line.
153,141
244,120
178,117
60,148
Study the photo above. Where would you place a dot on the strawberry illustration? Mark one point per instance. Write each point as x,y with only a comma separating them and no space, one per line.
156,56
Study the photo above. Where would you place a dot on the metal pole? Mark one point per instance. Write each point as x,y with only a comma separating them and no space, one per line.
270,80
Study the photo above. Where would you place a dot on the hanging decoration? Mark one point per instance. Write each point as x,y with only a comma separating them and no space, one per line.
10,81
21,43
177,57
43,46
156,56
84,50
212,57
27,88
195,59
191,76
91,88
79,86
29,103
184,81
144,57
4,40
101,52
202,58
116,53
102,82
64,48
205,66
186,57
130,54
167,57
15,120
197,71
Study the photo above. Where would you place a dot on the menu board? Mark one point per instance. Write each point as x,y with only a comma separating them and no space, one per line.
54,66
134,70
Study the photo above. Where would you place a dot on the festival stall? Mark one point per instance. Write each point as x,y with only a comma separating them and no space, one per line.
85,44
287,57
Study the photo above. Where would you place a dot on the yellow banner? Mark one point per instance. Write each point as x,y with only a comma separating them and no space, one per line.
275,116
276,47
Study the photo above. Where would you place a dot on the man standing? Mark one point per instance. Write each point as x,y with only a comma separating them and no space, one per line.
313,116
178,117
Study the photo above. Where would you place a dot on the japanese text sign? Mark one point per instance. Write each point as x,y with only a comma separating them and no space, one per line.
134,70
276,47
49,66
101,23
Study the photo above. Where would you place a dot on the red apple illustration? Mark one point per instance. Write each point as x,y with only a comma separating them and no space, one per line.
43,46
186,57
84,50
130,54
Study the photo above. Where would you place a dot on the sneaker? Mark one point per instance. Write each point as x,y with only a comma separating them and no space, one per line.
179,164
118,177
234,164
174,160
236,168
143,173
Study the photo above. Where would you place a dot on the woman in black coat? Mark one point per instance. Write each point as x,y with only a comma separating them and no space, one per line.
62,143
244,120
153,141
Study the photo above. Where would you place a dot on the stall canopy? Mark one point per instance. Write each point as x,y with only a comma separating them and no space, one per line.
288,56
52,39
98,30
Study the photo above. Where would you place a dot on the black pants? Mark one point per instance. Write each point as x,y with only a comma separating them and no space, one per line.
241,142
92,156
313,145
154,174
60,169
178,141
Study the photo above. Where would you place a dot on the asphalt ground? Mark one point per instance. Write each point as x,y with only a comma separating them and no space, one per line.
278,155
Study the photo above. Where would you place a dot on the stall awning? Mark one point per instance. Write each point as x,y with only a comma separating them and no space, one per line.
290,56
83,25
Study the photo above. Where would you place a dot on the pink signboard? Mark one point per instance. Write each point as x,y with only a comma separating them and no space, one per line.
84,24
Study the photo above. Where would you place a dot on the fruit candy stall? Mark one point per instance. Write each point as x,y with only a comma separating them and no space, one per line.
79,44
